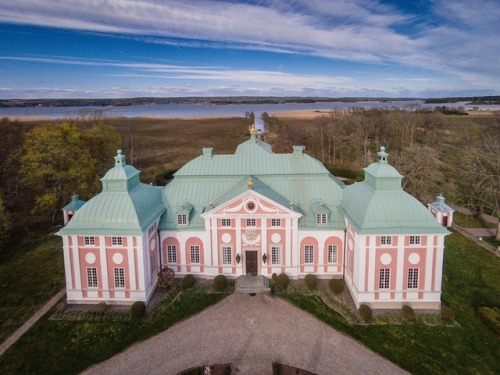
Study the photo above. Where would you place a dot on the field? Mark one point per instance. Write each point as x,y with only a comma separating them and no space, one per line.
158,147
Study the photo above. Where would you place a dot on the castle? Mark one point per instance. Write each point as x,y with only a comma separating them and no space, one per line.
254,212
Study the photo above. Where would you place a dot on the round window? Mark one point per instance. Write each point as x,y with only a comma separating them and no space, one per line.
251,206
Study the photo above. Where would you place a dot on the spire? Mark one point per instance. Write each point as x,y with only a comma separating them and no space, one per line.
250,183
120,159
382,155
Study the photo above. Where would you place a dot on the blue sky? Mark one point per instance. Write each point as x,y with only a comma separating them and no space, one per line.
337,48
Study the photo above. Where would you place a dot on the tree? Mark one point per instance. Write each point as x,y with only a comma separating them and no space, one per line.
5,224
102,141
56,164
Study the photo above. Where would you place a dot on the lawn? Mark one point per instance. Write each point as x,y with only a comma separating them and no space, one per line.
29,276
470,281
468,221
68,347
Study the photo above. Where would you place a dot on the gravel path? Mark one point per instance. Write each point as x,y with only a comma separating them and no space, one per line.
250,332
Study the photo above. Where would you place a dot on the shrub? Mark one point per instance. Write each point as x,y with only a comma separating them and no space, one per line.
166,278
188,282
311,281
490,316
220,283
365,312
447,313
336,285
137,310
282,281
408,313
101,307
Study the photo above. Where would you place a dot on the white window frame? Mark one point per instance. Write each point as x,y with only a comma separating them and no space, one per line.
89,240
119,273
227,255
321,218
225,222
251,223
182,219
92,280
171,254
384,279
276,222
415,240
386,240
412,278
195,254
276,255
333,253
152,261
116,241
309,254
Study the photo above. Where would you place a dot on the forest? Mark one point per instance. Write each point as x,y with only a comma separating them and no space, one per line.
43,163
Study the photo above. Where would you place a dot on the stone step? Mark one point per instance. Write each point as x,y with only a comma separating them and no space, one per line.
251,284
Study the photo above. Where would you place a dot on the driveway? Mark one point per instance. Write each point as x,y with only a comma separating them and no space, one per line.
251,333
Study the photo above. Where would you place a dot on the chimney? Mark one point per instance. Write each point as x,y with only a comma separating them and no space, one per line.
208,152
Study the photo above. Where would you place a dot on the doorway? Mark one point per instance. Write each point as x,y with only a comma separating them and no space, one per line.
251,263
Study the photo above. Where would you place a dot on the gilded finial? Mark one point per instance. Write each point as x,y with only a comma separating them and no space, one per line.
250,183
253,131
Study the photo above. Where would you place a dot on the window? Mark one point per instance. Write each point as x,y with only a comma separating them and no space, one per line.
152,258
308,254
115,241
414,240
171,254
89,240
226,222
275,254
92,277
320,218
383,282
332,253
386,240
182,219
226,255
195,254
119,277
251,223
413,278
276,222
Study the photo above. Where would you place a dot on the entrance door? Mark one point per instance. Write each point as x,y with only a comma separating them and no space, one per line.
251,262
445,221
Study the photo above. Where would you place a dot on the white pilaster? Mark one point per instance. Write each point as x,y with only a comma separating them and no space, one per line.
399,268
76,262
429,256
104,267
131,262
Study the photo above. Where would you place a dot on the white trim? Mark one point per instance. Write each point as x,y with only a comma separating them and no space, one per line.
104,267
131,262
428,263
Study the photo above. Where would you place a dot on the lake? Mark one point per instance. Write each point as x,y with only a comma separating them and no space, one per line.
225,110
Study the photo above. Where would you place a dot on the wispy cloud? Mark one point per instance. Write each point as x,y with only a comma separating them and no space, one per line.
464,42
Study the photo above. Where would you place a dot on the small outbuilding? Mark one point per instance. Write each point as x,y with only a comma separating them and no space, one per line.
441,211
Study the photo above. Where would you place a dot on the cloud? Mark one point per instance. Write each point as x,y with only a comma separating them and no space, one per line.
456,37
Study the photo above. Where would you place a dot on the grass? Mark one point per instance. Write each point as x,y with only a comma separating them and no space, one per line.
159,146
468,221
470,281
29,276
68,347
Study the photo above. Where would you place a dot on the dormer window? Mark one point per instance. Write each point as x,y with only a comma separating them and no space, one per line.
321,211
321,218
181,219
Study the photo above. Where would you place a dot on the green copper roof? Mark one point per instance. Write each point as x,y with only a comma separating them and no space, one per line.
379,205
295,177
74,205
125,206
439,205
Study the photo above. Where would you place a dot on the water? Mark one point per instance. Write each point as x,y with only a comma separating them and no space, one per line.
226,110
